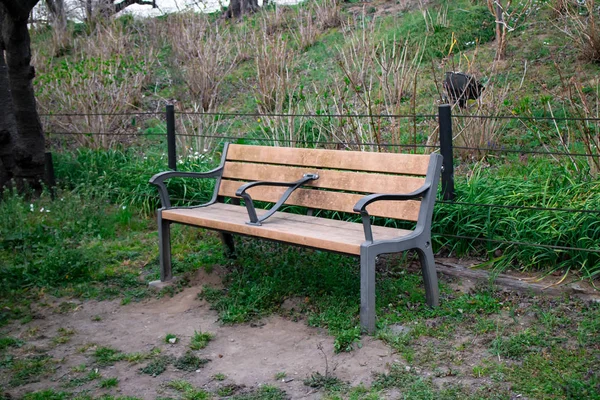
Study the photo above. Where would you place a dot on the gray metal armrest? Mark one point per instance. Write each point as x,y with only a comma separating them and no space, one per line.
254,219
361,205
159,181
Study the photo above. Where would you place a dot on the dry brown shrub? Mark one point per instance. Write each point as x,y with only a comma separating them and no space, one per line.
273,60
306,32
206,51
104,78
328,14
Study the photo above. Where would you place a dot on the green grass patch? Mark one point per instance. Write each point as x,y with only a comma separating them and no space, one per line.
105,356
200,340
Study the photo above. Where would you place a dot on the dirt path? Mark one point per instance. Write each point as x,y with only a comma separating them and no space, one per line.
248,355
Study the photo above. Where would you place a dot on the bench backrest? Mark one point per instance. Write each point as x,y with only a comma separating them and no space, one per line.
344,177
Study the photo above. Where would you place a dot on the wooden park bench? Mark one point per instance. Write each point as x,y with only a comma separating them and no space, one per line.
388,185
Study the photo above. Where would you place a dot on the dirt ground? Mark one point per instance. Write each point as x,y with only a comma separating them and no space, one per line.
248,355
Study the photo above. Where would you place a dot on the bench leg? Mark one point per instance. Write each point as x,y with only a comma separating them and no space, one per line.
164,249
432,290
227,239
367,290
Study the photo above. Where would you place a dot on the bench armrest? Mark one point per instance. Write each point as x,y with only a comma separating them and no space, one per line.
159,181
254,219
361,205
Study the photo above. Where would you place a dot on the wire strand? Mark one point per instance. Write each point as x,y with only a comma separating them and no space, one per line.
567,210
546,246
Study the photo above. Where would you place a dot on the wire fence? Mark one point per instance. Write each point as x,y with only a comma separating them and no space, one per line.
440,124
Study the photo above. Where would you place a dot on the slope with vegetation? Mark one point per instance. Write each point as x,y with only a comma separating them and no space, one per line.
320,62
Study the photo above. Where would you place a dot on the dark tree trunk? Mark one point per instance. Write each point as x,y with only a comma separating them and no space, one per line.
237,8
28,143
8,125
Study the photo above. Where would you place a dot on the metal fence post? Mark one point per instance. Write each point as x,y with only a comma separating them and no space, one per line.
445,121
171,144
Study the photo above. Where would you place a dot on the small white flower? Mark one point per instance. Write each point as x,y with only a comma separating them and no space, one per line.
31,207
47,211
124,207
42,209
180,162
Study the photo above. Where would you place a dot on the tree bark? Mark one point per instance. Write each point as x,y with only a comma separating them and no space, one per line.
28,143
237,8
8,124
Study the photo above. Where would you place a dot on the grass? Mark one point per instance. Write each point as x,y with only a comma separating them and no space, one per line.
200,340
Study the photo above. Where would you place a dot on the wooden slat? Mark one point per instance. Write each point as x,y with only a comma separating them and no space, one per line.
325,200
333,235
331,179
408,164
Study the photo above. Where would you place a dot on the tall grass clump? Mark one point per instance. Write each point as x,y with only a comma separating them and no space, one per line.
540,184
121,176
104,77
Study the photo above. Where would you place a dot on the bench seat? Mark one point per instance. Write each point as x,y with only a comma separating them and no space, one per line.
327,234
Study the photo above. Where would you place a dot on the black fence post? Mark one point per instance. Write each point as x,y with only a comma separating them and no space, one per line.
50,177
171,144
445,121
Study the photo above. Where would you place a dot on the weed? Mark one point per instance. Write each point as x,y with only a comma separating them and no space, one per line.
30,369
265,392
6,342
171,338
109,383
190,362
225,391
91,376
200,340
105,356
47,394
345,340
188,390
219,377
280,376
157,366
64,336
516,346
319,381
180,385
79,368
